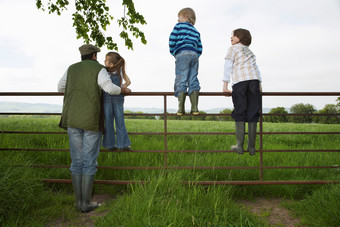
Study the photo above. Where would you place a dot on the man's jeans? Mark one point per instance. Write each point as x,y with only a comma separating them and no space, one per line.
186,72
114,111
84,149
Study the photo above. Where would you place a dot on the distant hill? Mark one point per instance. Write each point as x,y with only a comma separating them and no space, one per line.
29,107
54,108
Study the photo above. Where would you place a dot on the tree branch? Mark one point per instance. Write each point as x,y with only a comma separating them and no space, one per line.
92,17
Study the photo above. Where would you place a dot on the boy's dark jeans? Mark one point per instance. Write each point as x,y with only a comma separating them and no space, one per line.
247,100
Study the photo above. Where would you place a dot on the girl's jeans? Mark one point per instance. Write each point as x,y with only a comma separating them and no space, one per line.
186,72
114,111
84,150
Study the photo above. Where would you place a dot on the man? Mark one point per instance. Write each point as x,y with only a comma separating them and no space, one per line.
82,85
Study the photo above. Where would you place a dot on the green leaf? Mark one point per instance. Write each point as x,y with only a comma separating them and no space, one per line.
92,17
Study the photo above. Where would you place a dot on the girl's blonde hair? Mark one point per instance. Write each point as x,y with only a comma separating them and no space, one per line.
190,13
118,63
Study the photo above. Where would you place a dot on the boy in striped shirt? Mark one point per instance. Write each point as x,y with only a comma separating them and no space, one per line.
240,65
185,45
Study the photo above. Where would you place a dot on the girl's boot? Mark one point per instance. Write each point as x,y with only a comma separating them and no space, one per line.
251,137
181,102
239,131
194,102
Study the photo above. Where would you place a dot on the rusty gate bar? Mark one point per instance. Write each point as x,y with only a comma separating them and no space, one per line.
261,141
189,167
279,182
172,114
165,136
172,94
122,182
166,151
169,151
188,133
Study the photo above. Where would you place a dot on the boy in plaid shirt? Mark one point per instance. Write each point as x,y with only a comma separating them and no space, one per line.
240,66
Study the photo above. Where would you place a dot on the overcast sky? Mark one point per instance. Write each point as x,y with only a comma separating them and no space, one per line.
297,45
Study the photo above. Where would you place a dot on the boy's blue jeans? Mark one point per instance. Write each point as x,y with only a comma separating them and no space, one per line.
84,150
186,72
114,113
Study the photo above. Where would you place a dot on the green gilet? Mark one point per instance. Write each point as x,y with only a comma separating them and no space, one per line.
82,98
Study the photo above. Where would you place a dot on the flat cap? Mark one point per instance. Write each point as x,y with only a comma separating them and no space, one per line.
88,49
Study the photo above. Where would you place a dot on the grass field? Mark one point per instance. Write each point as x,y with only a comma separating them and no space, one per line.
164,201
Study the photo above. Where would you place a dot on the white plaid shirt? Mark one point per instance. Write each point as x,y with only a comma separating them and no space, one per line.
240,65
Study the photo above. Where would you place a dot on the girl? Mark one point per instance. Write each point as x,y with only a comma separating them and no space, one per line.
114,105
240,65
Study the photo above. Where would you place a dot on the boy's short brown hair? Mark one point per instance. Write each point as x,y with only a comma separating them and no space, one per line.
190,13
243,35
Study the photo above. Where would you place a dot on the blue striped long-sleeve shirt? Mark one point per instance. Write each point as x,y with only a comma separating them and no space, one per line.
184,36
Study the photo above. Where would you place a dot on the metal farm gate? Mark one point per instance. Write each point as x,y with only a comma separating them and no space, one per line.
260,168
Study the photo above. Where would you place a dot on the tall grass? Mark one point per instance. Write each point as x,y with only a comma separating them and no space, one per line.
165,202
321,208
18,187
187,142
24,199
183,205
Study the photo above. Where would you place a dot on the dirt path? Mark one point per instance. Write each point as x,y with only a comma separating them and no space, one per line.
272,211
268,209
85,219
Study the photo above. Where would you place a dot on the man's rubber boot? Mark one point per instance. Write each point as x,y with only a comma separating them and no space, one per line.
87,185
76,182
239,131
251,138
194,102
181,102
